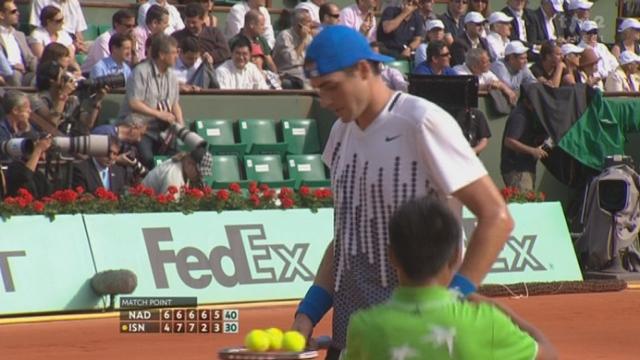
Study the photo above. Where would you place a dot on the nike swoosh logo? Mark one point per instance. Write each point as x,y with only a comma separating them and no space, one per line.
391,138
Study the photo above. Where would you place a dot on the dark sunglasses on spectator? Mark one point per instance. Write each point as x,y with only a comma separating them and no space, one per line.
444,55
128,26
335,16
592,32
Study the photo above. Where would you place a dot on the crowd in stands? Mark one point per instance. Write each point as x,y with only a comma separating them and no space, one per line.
167,48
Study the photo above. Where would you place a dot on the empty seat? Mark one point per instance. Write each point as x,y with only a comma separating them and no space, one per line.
260,137
308,170
91,33
266,169
218,133
226,170
301,136
402,65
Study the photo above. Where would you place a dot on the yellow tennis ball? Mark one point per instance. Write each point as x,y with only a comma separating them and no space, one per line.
293,341
275,336
257,340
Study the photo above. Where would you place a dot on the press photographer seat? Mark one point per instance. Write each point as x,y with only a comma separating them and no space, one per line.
308,170
266,169
260,137
301,135
219,134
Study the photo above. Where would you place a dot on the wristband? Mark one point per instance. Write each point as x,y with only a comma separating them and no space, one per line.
315,304
461,285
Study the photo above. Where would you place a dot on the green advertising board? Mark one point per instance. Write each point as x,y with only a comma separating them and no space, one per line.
539,248
45,266
233,256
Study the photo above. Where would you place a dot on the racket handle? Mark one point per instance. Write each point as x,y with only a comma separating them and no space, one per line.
323,342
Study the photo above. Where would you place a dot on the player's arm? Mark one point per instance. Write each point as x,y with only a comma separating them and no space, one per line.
492,231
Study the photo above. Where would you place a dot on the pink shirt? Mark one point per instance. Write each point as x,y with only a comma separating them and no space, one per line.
140,34
352,17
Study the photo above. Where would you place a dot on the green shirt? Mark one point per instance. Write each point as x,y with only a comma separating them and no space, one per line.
431,323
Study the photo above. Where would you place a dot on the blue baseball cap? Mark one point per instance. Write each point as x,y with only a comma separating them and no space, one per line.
336,48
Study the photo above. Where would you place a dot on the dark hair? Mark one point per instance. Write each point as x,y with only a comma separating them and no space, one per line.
190,44
156,12
325,9
241,41
46,72
120,16
547,48
193,10
377,44
54,51
434,48
161,43
48,13
252,16
117,40
423,235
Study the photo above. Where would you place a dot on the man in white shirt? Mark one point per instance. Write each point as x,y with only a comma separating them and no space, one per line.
235,19
360,17
14,45
183,169
122,22
239,72
175,21
607,62
477,63
581,12
498,38
74,22
313,7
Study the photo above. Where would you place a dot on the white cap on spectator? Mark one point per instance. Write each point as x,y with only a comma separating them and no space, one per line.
557,5
588,26
580,4
629,23
571,49
499,17
474,17
434,24
627,57
515,47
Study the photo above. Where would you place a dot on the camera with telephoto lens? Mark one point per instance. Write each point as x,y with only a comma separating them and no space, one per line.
191,139
92,145
93,85
137,167
17,148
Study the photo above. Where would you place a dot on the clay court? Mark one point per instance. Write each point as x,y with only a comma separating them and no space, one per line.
582,326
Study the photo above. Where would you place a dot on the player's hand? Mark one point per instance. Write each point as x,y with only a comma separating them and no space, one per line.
304,326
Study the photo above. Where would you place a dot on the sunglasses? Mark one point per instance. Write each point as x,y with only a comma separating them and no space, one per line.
444,55
592,32
335,16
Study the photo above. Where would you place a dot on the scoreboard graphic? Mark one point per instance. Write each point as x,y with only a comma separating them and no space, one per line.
175,316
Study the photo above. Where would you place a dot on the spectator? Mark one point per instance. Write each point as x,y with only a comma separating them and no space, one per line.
210,39
513,70
360,17
313,8
625,78
5,69
480,6
453,19
14,46
434,32
183,169
101,171
23,173
425,8
523,23
291,46
400,30
607,62
589,69
74,22
120,48
60,54
394,79
253,29
236,16
174,21
257,58
581,12
153,94
549,69
477,63
329,14
438,61
522,147
156,22
210,19
129,133
629,31
498,38
470,39
548,22
17,110
571,57
122,22
51,31
238,72
194,68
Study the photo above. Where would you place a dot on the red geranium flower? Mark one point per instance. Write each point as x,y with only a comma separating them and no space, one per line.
223,195
304,190
38,206
235,187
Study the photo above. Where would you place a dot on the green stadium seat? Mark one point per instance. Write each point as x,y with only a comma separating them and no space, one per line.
218,133
402,65
301,135
226,170
308,170
103,28
91,33
266,169
159,159
260,137
80,58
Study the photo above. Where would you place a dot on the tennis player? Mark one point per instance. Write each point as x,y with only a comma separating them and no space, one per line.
387,148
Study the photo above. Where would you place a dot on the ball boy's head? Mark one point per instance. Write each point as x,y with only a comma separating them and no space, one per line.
424,242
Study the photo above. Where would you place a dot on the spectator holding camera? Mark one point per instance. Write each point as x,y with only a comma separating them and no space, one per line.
401,29
188,169
120,47
23,172
101,171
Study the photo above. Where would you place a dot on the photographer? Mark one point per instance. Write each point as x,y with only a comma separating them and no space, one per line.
182,169
56,103
101,171
401,30
24,174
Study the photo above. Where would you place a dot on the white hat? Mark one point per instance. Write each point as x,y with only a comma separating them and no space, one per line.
580,4
434,24
627,57
588,26
557,5
515,47
570,49
474,17
629,23
499,17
